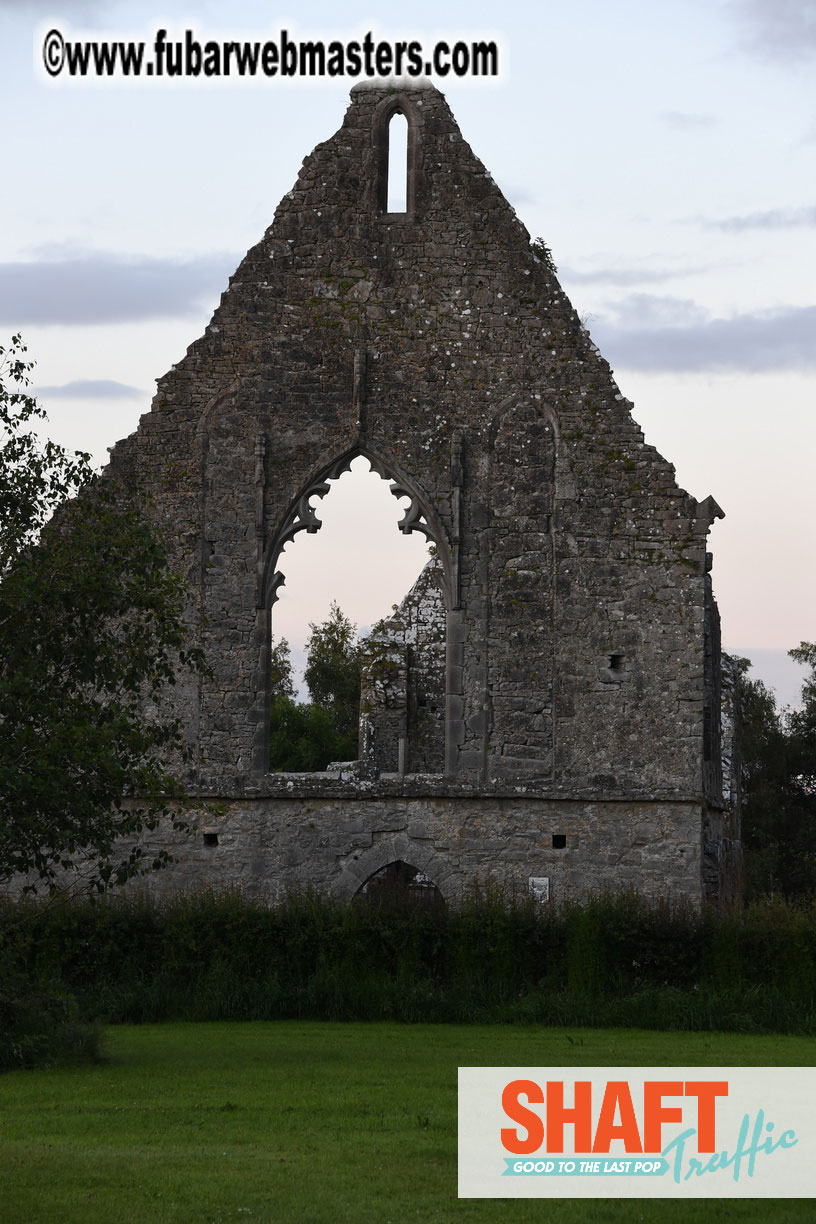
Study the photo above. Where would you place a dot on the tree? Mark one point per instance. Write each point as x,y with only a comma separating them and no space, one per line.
802,722
304,739
306,736
35,476
280,671
333,670
779,780
91,636
542,251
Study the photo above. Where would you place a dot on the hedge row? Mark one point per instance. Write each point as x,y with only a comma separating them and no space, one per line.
612,961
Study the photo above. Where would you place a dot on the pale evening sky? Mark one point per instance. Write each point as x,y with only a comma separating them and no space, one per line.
666,152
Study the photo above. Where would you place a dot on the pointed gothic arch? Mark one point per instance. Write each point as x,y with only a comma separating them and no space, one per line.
419,853
399,882
300,515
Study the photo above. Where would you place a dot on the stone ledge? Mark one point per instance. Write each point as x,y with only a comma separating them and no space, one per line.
421,786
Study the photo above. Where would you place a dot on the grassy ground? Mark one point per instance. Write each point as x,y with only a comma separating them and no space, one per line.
311,1123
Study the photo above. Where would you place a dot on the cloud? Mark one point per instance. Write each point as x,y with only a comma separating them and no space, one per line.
81,8
624,277
90,388
675,336
647,310
778,29
772,219
685,121
519,196
102,288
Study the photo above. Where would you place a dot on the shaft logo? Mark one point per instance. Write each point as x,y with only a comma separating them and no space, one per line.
637,1132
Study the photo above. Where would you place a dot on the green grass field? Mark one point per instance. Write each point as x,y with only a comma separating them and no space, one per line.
311,1123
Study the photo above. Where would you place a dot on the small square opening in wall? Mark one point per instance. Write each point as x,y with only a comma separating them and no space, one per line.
559,841
617,662
210,839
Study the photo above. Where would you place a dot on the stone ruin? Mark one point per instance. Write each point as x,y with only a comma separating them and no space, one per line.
402,699
544,709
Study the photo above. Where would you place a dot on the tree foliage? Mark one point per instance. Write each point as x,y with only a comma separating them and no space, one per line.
802,722
542,251
35,476
779,779
281,683
304,738
307,736
91,637
333,670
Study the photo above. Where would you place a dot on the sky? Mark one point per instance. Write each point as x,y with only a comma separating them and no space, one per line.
665,152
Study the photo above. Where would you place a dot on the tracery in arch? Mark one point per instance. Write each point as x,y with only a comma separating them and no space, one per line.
403,680
302,516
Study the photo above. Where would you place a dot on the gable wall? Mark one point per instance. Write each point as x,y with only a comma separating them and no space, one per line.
437,344
575,540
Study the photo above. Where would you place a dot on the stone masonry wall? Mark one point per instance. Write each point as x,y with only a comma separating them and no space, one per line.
438,345
269,845
403,686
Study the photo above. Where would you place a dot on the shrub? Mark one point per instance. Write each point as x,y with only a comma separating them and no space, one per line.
40,1027
493,957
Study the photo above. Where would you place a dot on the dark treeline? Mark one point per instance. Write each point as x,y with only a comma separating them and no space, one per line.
612,961
778,750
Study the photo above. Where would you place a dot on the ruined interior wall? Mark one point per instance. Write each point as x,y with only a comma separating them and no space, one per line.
403,683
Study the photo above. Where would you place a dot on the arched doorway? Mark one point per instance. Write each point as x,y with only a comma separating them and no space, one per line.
398,883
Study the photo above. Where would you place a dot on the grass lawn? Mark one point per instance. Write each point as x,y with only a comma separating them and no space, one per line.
312,1123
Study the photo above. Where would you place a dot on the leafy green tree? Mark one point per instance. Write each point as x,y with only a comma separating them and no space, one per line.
303,737
35,476
281,683
542,251
91,636
306,736
333,670
779,779
802,722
